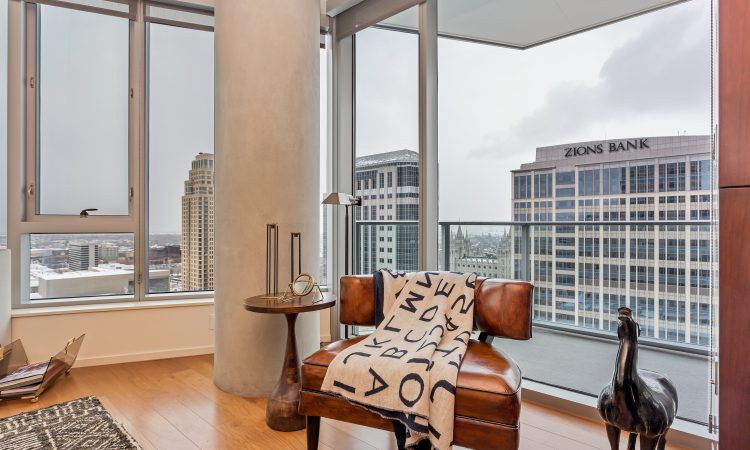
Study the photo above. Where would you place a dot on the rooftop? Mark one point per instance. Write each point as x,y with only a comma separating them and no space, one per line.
618,150
388,158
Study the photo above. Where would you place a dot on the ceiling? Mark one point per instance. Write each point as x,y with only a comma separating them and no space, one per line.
519,23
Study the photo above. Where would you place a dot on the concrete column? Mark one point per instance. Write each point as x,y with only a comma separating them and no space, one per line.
267,169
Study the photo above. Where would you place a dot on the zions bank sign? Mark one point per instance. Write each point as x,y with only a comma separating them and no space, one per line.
614,146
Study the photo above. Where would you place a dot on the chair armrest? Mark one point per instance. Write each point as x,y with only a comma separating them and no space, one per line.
357,300
503,308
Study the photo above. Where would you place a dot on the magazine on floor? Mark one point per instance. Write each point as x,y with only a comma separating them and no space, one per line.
24,376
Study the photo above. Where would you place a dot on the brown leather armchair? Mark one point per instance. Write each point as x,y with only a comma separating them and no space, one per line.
488,394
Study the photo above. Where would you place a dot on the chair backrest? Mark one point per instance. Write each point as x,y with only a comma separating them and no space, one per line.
502,308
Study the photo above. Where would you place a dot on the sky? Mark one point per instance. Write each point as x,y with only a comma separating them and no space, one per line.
646,76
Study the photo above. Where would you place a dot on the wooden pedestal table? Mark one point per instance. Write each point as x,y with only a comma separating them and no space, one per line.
281,412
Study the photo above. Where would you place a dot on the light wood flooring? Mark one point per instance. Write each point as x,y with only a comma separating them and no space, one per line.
173,404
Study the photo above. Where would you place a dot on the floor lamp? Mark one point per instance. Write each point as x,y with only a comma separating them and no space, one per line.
347,200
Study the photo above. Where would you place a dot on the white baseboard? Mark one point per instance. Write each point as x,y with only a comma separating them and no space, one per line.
146,356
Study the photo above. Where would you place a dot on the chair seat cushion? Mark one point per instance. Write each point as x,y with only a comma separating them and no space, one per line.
488,384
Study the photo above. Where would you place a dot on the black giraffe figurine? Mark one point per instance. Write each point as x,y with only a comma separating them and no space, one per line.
640,402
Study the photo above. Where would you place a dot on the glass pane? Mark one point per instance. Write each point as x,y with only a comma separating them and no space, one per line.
83,112
324,209
611,138
180,146
386,174
82,265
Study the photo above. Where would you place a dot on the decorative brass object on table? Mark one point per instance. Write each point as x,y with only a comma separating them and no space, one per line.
302,286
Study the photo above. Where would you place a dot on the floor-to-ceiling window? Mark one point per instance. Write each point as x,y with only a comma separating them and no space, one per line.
386,164
576,150
324,163
181,159
609,125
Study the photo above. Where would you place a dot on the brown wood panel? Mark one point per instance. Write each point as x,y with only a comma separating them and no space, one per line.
734,93
734,316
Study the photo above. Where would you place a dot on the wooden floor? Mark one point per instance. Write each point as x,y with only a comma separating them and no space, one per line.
173,404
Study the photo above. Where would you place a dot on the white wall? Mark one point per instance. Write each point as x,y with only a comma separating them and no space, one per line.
125,334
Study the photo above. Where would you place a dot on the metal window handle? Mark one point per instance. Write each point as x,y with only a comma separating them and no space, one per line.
30,190
85,212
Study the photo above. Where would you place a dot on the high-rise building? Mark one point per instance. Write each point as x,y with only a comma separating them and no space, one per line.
109,252
388,184
582,274
83,255
198,225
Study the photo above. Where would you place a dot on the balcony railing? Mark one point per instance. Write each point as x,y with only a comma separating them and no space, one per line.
665,271
583,271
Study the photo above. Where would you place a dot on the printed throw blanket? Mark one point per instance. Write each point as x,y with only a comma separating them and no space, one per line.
406,369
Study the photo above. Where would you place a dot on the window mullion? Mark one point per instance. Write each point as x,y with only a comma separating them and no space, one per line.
138,153
31,105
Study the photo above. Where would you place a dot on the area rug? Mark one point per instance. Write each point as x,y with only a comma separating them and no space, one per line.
77,424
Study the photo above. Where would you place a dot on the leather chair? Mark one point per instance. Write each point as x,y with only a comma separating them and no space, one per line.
488,393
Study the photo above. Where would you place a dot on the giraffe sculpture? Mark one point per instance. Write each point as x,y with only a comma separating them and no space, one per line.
640,402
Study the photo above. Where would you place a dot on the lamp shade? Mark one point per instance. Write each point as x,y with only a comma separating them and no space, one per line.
339,198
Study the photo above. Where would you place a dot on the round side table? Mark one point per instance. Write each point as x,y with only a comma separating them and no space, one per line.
281,411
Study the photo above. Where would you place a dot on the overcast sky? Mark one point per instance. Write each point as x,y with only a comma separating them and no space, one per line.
645,76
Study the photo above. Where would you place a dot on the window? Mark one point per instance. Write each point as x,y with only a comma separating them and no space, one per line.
519,139
672,177
700,175
324,210
387,145
522,187
82,91
588,182
642,179
543,185
615,180
146,176
181,158
83,265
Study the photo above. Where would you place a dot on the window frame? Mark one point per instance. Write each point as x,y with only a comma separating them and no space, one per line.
23,131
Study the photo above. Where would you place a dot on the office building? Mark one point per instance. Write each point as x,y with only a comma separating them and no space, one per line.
582,274
198,225
83,255
387,221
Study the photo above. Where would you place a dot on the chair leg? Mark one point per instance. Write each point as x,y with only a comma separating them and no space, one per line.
313,432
